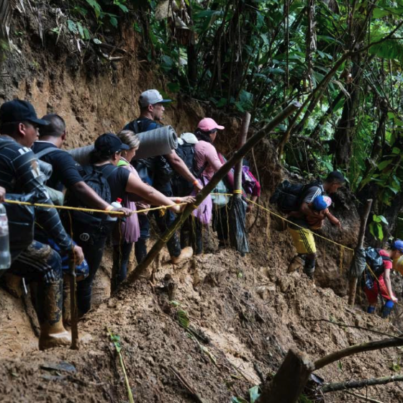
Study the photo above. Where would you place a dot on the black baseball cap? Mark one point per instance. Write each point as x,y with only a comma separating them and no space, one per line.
109,143
19,111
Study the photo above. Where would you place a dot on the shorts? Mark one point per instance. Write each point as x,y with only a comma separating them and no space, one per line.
304,240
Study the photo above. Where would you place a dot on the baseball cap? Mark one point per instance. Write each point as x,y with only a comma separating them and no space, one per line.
397,245
208,124
109,143
321,203
19,111
151,97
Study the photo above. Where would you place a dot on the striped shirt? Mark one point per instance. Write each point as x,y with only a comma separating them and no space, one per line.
20,173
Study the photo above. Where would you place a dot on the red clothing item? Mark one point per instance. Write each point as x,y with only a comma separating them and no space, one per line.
380,285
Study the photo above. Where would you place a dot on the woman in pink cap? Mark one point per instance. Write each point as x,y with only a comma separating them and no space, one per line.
207,164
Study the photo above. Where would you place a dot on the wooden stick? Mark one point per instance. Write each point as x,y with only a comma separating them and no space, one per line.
258,136
367,399
186,385
353,279
335,387
73,304
357,348
238,167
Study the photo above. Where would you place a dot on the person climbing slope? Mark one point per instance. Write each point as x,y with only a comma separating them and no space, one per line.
160,173
303,238
376,279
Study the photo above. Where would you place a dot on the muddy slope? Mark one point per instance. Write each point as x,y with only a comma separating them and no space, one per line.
250,315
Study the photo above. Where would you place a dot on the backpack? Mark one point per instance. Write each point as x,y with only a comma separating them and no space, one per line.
21,218
289,196
98,182
180,186
375,261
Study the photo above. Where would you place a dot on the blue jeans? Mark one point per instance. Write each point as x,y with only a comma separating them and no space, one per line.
121,255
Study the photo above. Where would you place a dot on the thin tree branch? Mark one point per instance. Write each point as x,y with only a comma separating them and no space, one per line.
358,348
335,387
341,324
367,399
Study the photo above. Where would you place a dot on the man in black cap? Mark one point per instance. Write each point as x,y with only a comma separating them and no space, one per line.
19,127
65,170
152,110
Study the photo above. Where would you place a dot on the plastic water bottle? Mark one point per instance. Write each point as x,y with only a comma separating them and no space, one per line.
5,256
116,205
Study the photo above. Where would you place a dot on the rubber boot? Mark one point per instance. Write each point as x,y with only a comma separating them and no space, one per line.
49,301
298,262
387,309
186,253
309,268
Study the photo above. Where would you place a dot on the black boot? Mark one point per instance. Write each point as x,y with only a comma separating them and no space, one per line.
309,268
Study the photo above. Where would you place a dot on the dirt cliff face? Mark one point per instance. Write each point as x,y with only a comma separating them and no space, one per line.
248,308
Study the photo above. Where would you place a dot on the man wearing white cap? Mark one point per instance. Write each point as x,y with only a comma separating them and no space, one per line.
152,110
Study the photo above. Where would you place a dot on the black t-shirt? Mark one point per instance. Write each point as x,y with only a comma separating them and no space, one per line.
65,169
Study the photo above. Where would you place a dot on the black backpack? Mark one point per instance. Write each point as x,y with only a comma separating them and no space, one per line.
375,261
180,186
289,196
97,181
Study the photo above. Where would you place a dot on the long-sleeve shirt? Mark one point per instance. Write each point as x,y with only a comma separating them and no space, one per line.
19,173
206,152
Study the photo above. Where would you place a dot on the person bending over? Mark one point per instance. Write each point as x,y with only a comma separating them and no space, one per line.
303,238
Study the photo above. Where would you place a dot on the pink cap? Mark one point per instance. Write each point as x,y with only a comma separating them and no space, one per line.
327,200
208,124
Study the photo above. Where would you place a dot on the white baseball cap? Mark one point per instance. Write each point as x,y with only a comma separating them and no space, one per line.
151,97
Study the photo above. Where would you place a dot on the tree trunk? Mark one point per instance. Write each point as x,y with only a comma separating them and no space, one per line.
360,245
289,381
346,125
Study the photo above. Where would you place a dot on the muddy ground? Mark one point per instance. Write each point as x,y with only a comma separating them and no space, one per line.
248,311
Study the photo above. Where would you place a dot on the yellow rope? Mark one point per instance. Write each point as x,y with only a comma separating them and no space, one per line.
89,210
341,259
299,226
237,192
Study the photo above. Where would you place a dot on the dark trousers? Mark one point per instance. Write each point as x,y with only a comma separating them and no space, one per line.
92,240
121,255
220,223
192,234
163,223
38,263
140,248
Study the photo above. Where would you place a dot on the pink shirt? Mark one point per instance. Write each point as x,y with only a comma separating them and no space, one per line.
206,152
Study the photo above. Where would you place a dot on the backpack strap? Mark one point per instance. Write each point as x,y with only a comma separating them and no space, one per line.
6,143
46,151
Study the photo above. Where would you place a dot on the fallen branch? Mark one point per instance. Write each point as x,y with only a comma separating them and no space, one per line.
367,399
335,387
358,348
341,324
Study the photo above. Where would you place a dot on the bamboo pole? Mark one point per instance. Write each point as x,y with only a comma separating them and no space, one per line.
353,278
238,167
73,304
258,136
